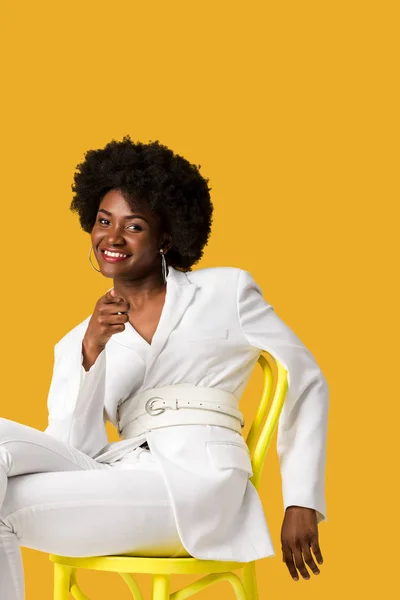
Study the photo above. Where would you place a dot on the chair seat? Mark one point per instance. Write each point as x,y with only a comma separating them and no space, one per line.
134,564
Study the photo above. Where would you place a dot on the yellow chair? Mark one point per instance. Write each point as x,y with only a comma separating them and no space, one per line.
161,569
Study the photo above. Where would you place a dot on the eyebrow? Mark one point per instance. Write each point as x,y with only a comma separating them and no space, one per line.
133,216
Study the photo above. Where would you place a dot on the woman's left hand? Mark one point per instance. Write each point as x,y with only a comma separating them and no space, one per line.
299,535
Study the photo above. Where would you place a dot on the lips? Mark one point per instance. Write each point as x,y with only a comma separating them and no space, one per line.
113,259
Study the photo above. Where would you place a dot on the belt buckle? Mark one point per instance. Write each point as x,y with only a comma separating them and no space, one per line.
149,406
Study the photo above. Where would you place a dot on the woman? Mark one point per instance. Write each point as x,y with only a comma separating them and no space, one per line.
165,356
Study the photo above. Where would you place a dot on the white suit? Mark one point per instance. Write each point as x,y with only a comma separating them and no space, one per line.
213,326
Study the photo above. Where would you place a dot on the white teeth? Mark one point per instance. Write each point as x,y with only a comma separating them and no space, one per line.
114,254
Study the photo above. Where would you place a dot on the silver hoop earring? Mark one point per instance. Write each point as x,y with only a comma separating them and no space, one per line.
98,270
163,266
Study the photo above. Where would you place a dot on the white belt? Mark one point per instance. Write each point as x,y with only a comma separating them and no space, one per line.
180,404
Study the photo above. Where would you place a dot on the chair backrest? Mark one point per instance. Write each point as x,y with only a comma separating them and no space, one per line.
268,412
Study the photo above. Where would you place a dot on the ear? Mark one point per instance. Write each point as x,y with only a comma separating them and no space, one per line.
166,244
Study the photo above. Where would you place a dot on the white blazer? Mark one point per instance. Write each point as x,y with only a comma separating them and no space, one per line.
213,326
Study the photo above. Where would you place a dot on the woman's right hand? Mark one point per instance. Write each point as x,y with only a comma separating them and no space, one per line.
104,322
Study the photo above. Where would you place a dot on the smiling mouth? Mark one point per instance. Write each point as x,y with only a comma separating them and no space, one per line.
113,258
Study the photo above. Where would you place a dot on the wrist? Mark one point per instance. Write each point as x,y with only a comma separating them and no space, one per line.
90,352
90,346
297,507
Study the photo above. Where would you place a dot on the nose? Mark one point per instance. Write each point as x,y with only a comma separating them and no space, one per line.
114,238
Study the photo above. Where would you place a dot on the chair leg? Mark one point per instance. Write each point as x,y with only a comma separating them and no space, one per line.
62,582
161,587
250,581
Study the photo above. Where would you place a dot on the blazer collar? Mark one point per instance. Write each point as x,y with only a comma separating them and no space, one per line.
179,294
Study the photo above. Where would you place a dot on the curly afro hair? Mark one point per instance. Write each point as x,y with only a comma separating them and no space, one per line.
149,174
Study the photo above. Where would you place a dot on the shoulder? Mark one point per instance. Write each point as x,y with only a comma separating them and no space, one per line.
218,275
223,277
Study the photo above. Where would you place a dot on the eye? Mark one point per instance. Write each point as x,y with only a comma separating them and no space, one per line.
133,224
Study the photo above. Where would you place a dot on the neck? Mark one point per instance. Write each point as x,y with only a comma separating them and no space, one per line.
141,288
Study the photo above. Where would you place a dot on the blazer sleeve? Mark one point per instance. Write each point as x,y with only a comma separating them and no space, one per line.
75,403
302,426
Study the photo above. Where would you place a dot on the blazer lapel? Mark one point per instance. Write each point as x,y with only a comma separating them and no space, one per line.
179,294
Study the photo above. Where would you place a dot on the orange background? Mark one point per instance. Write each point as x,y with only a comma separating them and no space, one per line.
291,109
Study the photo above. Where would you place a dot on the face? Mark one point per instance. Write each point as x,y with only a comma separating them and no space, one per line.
136,233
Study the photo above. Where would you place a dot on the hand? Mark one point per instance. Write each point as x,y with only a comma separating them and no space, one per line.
299,533
105,321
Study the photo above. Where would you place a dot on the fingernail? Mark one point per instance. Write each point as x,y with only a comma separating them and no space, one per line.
296,578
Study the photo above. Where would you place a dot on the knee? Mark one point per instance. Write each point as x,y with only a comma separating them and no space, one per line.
5,460
5,456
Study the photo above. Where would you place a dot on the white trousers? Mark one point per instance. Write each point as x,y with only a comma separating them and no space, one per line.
56,499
